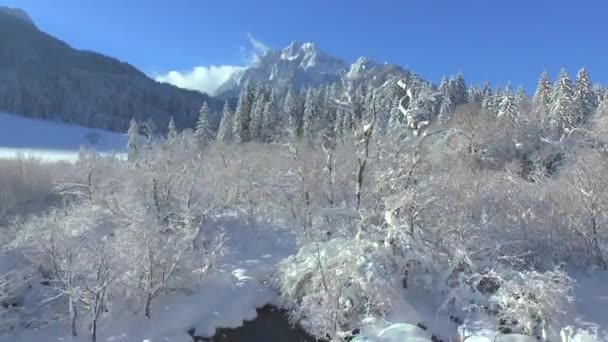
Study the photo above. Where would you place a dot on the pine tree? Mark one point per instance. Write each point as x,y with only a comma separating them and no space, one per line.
542,97
203,132
329,110
585,99
224,133
445,112
507,109
133,142
444,86
562,112
172,131
521,100
309,128
458,90
475,94
257,113
292,110
487,97
241,129
270,123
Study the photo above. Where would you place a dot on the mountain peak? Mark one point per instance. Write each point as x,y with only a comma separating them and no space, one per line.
296,50
17,13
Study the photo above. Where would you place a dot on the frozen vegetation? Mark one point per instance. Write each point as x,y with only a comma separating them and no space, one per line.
379,205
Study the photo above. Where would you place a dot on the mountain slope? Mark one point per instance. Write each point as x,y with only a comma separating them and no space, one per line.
41,76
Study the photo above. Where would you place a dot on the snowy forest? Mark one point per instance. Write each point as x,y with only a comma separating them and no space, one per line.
458,208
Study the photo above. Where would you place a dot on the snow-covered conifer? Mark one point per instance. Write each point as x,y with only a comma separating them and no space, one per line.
203,132
562,114
224,132
241,129
172,131
542,97
585,99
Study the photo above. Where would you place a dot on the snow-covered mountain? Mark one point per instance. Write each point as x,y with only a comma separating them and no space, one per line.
303,65
298,65
43,77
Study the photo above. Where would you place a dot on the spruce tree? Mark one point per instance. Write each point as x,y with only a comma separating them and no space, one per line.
134,141
585,99
224,133
445,112
458,90
507,109
521,100
487,97
444,86
257,113
242,116
475,94
203,132
291,108
542,97
562,112
270,122
309,129
172,131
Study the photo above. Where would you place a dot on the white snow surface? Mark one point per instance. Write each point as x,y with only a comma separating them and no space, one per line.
53,141
226,300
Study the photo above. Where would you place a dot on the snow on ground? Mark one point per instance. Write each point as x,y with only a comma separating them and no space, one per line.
226,300
53,141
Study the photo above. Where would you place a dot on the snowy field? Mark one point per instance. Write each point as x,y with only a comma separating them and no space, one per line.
53,141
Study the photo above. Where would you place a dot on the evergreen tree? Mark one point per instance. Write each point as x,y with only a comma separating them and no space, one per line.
542,97
291,108
521,100
257,113
486,90
224,133
562,112
458,90
241,129
203,132
271,122
329,109
507,109
585,99
475,94
444,86
172,131
445,112
133,142
311,110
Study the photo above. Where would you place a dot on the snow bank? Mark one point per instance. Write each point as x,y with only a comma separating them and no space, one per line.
53,141
226,300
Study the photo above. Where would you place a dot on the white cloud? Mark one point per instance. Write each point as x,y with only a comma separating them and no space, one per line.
208,78
201,78
257,48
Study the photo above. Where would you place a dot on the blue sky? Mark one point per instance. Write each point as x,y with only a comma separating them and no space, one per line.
502,41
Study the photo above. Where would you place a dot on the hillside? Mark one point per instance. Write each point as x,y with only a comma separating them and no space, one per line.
43,77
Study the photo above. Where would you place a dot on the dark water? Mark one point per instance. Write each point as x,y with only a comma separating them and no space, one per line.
271,325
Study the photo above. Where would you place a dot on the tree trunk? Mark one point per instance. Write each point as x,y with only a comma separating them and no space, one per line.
73,316
148,306
596,245
94,330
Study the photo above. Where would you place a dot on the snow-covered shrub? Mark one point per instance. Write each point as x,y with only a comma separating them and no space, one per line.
333,285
